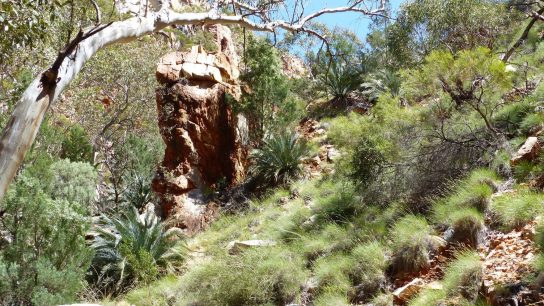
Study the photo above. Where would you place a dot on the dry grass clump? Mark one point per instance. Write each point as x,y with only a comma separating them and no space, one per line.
515,209
460,285
410,245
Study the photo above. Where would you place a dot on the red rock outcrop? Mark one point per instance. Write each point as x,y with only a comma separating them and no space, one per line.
204,138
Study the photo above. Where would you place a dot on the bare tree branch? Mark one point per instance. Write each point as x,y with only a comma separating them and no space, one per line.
97,11
535,16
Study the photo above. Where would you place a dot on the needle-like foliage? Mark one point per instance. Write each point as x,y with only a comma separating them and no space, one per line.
279,159
134,248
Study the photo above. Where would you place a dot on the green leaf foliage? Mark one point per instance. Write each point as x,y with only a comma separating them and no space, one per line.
46,257
133,248
278,160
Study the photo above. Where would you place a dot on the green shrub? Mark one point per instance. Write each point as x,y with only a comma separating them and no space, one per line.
46,260
73,181
330,238
383,299
270,107
510,117
339,205
467,223
343,130
539,241
256,277
410,242
539,237
278,160
461,283
472,192
340,79
515,209
531,122
77,146
428,297
367,272
366,162
158,293
370,258
331,298
133,248
138,192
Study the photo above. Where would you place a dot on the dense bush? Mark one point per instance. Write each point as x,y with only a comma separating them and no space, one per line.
340,79
133,249
467,225
367,162
332,273
45,258
278,161
269,105
76,146
339,205
425,25
367,273
73,181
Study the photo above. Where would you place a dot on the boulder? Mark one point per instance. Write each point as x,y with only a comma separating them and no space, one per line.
528,151
205,142
406,292
236,247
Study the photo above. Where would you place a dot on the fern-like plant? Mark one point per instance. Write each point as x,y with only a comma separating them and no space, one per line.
279,159
133,248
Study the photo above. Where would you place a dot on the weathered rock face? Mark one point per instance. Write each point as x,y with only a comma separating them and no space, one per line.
293,67
204,138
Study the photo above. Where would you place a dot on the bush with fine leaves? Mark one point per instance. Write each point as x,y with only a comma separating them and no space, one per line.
278,160
43,254
133,248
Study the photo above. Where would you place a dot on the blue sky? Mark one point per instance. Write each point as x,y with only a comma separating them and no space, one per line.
353,21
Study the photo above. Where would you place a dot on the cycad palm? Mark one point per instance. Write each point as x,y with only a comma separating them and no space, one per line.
340,79
380,82
134,248
278,160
